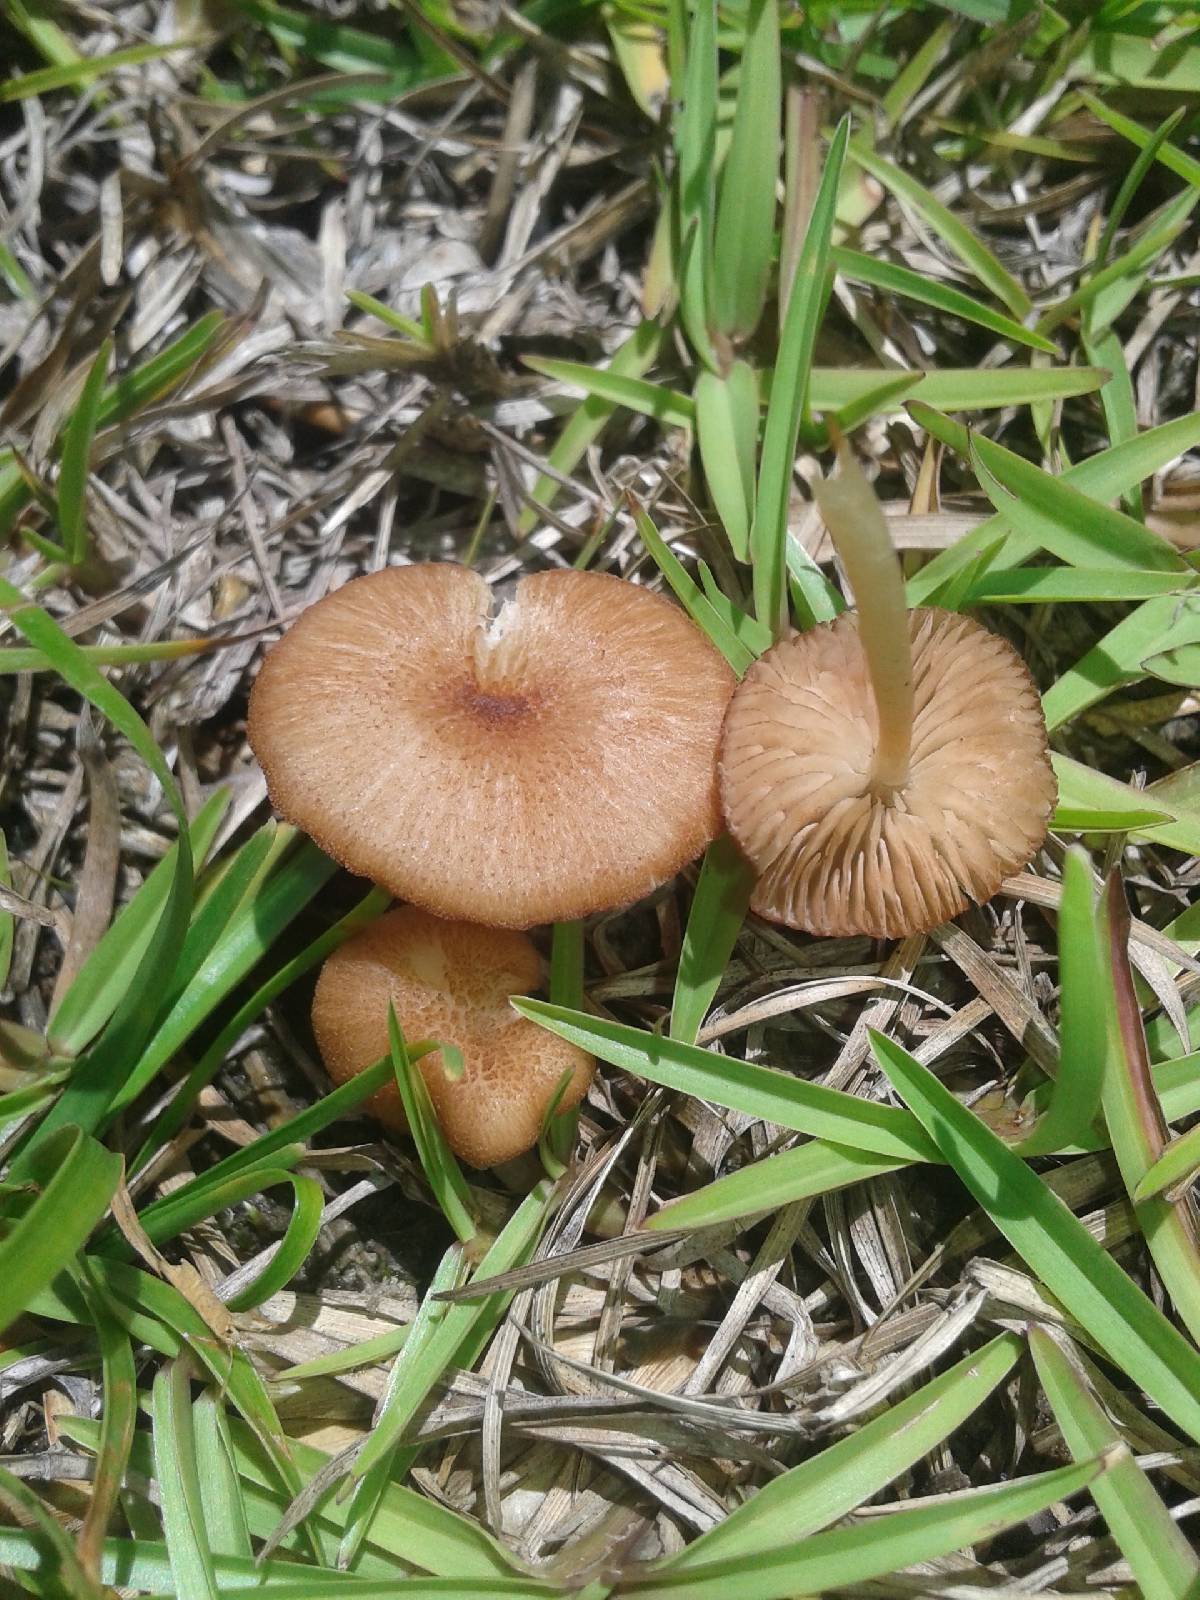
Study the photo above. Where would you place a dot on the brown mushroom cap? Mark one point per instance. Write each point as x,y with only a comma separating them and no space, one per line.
449,981
554,759
835,858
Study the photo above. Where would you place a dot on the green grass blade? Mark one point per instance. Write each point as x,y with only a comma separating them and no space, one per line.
1165,1567
1068,586
892,279
119,1386
293,1249
1104,476
743,234
1176,1168
1136,1125
615,388
696,157
954,388
1171,157
176,1114
816,1167
1056,1246
872,1547
741,1086
249,934
954,233
458,1324
394,1463
1119,657
60,1575
847,1474
630,360
131,392
178,1477
224,1509
1073,527
437,1159
74,1179
790,399
1075,1099
691,597
76,460
727,434
74,74
104,976
1092,801
718,910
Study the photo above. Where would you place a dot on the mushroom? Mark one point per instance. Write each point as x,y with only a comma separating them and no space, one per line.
553,759
448,981
882,770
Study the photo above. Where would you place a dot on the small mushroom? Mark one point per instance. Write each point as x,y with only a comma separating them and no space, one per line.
448,981
883,770
553,759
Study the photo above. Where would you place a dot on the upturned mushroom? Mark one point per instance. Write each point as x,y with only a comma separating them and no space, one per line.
551,759
883,770
448,981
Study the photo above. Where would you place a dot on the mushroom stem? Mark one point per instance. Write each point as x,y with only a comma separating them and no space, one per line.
860,535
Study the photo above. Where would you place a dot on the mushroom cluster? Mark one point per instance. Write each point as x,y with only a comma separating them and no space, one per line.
569,751
496,769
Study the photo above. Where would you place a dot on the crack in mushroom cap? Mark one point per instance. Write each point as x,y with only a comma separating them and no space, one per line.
449,981
556,759
835,858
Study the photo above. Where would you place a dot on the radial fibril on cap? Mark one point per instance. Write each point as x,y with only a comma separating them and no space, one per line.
555,759
449,981
837,853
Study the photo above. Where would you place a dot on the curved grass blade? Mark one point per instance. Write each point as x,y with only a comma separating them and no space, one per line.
757,1091
74,1179
911,285
1074,1267
969,249
845,1475
1164,1565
